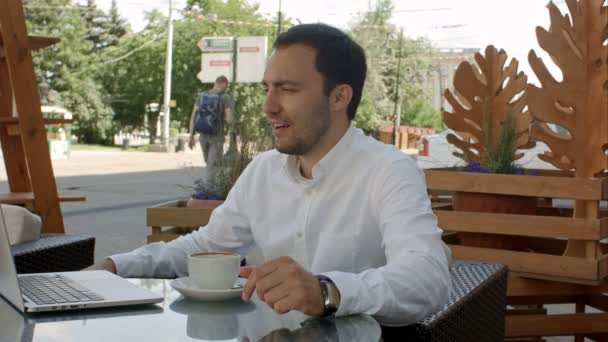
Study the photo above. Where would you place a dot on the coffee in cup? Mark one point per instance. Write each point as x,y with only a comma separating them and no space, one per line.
214,270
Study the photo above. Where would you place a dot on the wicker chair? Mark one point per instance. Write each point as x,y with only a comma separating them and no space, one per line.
54,253
475,310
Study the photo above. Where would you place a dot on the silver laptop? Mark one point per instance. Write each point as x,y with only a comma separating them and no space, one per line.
65,290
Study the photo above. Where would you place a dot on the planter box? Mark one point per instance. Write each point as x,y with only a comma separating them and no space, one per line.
547,232
173,219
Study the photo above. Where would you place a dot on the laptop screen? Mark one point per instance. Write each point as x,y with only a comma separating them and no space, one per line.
9,287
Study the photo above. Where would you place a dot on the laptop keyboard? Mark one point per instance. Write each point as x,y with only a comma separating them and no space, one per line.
54,289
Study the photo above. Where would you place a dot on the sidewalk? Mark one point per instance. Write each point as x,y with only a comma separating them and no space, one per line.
119,186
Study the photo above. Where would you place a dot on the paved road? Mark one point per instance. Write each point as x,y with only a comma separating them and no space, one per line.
119,186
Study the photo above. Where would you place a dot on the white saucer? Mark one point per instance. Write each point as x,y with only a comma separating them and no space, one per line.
187,287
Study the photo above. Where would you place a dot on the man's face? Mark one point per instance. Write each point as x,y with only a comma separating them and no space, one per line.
222,85
295,105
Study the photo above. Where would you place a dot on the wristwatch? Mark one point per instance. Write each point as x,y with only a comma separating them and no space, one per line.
331,296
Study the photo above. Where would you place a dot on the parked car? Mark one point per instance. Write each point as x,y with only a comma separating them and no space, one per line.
434,151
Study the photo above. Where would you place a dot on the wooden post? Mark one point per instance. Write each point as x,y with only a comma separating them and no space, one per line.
17,50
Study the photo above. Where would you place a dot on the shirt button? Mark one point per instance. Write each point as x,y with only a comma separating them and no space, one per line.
299,235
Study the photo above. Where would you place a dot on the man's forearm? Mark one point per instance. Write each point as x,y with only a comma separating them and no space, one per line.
229,115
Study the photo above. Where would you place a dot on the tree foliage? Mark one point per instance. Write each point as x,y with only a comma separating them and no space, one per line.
137,81
68,67
382,41
109,76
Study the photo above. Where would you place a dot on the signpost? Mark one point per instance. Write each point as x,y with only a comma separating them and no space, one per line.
244,57
240,59
216,44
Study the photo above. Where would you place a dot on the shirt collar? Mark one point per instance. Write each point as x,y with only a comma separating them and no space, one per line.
291,163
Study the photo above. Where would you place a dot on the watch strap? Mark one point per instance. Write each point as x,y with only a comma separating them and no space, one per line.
329,307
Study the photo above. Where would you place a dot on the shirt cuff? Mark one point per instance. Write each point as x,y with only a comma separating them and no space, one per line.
348,285
125,267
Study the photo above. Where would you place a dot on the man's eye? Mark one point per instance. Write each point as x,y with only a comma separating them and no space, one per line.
288,90
265,90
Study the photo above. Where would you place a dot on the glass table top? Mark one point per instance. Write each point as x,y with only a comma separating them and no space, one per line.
181,319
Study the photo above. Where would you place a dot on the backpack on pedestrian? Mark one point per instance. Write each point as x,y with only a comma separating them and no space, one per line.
208,120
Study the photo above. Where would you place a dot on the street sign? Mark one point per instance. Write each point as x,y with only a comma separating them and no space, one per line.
251,59
216,44
217,58
214,65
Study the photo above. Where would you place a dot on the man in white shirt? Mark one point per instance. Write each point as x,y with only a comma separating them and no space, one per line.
343,221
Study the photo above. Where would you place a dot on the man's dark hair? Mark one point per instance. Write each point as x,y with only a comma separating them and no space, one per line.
221,79
340,60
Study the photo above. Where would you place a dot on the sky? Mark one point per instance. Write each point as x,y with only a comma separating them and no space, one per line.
509,25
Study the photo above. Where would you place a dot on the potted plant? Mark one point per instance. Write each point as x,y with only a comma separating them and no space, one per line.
183,216
491,128
211,191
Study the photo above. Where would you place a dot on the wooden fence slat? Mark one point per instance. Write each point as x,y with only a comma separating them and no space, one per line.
532,263
537,186
556,325
526,225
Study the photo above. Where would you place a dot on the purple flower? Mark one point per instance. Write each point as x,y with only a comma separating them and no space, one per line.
475,166
203,195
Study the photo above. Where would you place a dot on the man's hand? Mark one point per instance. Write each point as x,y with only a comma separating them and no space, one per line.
192,142
285,286
104,265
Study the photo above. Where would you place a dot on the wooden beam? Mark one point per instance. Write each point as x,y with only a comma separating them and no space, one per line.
29,198
526,311
526,225
33,133
536,186
521,287
16,167
531,263
543,299
556,325
37,42
170,213
598,301
51,121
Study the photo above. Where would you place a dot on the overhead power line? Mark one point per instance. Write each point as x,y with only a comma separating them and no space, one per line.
114,60
408,10
227,21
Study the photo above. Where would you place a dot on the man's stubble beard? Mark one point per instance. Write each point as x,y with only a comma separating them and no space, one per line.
313,134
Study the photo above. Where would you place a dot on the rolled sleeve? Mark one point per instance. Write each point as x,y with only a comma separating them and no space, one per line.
228,230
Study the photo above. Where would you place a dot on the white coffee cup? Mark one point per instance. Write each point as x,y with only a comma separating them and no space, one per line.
214,270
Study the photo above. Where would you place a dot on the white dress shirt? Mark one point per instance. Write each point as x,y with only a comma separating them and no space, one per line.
364,220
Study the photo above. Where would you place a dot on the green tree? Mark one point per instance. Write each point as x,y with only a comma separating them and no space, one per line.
104,29
134,77
381,41
133,74
117,26
67,67
97,23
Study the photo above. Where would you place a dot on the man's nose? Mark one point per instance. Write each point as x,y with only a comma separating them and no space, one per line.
271,103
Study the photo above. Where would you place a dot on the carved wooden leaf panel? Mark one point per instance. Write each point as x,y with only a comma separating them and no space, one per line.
484,95
579,102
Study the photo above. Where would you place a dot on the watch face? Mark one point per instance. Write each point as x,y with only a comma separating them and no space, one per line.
330,297
333,294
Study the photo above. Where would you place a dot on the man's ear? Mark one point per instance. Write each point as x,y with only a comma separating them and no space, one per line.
340,98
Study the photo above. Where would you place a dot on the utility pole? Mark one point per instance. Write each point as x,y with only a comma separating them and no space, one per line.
168,65
279,27
232,145
397,108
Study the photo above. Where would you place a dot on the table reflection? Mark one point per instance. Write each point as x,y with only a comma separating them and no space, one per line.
182,319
